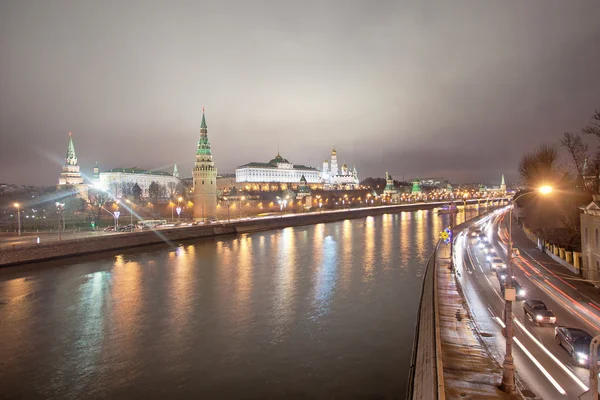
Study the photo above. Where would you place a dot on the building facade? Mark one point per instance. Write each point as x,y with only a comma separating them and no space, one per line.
590,239
70,172
205,178
334,178
115,179
276,174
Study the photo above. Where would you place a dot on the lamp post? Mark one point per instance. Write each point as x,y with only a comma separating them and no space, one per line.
240,203
18,216
130,211
508,366
178,207
60,207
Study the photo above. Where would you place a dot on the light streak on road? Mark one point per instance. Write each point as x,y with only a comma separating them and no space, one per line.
535,361
556,360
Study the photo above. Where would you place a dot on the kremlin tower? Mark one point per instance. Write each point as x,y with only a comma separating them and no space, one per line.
70,174
205,178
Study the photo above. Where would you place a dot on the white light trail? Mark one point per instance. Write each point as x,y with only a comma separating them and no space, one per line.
535,361
552,356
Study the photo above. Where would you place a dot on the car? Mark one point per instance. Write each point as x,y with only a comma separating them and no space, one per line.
496,263
482,238
488,248
490,256
576,342
537,312
476,232
519,291
109,229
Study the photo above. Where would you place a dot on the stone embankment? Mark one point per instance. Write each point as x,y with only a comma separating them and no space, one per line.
73,247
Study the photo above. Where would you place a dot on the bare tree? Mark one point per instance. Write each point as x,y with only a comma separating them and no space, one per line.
172,190
578,151
594,127
540,166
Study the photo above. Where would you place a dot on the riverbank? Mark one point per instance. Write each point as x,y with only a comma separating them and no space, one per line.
74,247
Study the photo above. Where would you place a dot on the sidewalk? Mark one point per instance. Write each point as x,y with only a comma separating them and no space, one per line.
587,292
469,370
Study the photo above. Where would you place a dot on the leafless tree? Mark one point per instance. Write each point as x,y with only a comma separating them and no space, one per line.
172,190
540,166
578,151
594,127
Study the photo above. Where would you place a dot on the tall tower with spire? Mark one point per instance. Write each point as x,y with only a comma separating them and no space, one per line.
503,185
175,170
70,172
334,163
205,178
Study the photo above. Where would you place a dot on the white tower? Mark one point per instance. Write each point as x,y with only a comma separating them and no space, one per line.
70,173
503,185
205,178
334,164
175,170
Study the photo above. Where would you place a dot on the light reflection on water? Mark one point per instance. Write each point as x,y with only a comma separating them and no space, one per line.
316,311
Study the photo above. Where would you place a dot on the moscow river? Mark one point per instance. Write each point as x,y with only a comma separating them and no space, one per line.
322,311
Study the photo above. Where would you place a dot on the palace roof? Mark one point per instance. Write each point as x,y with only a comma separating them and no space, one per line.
136,170
273,164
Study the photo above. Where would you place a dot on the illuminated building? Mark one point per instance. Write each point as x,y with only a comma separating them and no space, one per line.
332,178
115,179
205,178
503,185
70,172
590,239
276,174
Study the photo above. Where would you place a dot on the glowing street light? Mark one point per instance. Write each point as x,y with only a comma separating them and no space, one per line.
508,366
19,216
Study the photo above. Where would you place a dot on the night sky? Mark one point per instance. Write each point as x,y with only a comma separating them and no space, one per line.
459,89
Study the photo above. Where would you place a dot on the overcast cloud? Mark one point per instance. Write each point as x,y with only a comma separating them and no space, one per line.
459,89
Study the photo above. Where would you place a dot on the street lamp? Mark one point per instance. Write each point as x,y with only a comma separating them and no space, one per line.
508,366
172,205
130,211
178,209
19,216
60,207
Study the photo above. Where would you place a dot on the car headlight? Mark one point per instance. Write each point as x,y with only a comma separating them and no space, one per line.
552,319
539,317
582,357
521,292
488,258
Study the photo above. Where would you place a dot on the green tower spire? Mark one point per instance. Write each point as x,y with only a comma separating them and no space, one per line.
203,124
203,143
71,158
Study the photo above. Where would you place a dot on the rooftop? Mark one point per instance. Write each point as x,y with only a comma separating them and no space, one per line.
136,170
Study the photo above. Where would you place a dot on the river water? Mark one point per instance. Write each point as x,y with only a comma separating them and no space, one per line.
322,311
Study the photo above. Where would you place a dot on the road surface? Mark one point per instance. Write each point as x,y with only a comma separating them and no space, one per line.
543,367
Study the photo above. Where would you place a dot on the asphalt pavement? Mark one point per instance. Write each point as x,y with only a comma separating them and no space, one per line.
544,369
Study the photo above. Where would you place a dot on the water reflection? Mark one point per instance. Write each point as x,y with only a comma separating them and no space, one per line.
285,285
312,312
326,277
369,243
